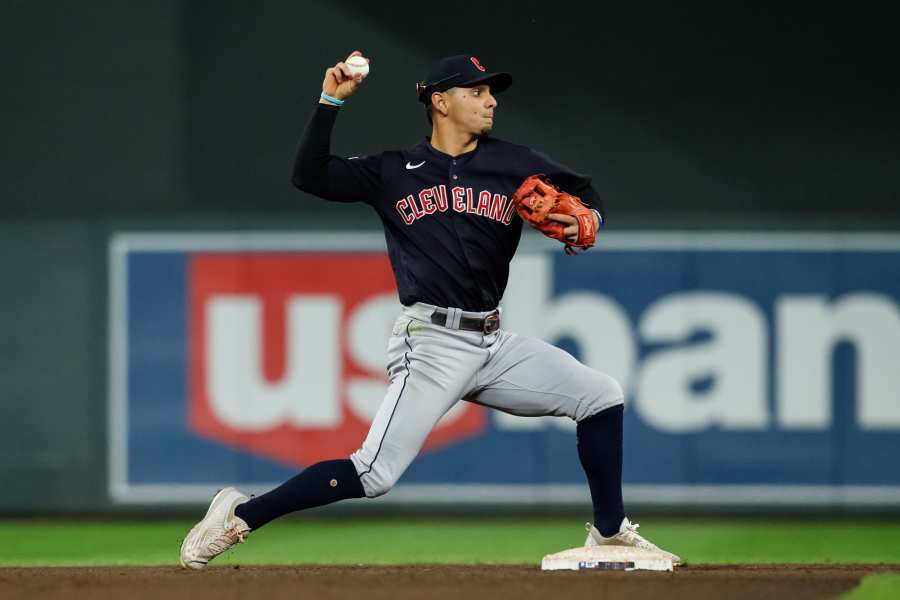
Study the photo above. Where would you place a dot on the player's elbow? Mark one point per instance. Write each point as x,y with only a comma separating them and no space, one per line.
299,181
305,182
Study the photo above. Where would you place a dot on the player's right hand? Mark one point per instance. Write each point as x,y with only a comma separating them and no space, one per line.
339,82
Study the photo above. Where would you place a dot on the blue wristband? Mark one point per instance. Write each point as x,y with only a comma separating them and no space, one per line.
331,99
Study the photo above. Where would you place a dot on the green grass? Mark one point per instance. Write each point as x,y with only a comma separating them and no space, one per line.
445,541
882,586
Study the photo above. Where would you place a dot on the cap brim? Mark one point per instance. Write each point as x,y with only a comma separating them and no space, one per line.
498,81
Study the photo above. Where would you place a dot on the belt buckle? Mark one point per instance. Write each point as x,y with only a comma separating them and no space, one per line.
491,323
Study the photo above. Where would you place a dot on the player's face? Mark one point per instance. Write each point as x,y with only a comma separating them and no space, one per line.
472,109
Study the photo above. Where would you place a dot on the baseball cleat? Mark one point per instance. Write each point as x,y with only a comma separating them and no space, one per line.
627,536
217,532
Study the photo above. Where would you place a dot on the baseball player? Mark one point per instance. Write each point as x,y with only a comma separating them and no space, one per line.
452,227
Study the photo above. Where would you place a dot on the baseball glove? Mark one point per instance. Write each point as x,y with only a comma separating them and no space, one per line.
537,197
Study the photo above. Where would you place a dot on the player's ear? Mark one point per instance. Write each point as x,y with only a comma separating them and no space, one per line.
439,102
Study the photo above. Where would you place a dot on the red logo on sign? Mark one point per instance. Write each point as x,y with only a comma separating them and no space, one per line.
477,64
287,353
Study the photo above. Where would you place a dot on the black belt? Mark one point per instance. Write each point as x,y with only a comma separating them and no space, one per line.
487,325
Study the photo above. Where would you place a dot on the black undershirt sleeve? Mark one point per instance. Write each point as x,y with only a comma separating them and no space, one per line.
331,177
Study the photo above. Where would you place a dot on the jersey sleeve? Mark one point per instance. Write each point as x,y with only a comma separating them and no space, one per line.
330,177
571,182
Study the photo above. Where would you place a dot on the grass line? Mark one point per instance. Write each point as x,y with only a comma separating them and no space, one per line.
444,541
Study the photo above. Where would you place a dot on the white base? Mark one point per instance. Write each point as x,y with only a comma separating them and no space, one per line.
607,558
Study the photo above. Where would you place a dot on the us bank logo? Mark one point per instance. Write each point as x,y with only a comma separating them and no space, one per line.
287,353
758,368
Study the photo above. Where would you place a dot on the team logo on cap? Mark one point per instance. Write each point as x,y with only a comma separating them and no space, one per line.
477,64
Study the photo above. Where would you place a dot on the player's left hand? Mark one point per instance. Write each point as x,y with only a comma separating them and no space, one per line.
556,214
571,223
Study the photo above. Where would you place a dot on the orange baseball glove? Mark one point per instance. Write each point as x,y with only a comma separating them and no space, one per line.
537,197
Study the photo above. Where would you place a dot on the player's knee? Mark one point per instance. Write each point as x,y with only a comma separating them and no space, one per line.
376,490
605,393
613,391
376,475
377,483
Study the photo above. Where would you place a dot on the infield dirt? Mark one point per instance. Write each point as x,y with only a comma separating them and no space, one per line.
439,582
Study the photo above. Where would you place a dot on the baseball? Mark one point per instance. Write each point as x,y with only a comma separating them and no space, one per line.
358,64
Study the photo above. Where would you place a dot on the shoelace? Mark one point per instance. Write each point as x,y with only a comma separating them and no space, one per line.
635,538
227,539
240,534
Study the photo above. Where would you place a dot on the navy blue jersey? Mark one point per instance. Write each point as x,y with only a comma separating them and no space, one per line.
449,222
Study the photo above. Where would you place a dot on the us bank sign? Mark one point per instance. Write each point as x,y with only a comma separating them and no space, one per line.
758,368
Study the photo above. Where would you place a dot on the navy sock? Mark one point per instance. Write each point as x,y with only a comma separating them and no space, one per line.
600,452
322,483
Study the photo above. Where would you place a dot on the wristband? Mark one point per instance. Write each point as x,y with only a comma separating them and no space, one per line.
331,99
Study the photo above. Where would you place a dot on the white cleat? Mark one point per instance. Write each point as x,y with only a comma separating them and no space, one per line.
627,536
217,532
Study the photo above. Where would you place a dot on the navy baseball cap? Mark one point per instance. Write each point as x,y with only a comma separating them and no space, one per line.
462,70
